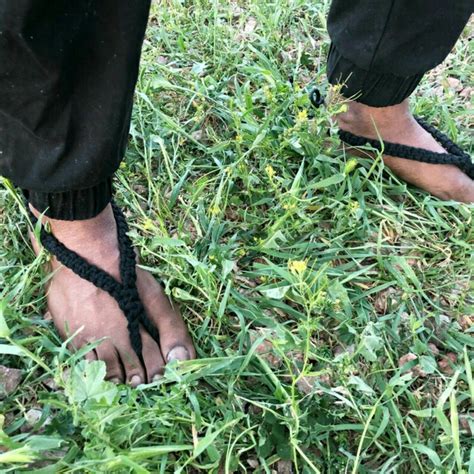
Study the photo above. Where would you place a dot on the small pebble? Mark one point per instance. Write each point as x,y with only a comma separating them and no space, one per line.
9,380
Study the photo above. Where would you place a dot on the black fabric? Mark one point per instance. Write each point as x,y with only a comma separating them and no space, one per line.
381,49
72,205
67,75
369,87
68,70
454,154
125,293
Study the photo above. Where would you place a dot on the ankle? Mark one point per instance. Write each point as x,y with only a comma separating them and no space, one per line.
363,119
100,229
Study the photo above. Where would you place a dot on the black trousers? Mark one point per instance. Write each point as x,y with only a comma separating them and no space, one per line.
68,71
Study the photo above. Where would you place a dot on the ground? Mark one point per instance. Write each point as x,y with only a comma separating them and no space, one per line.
331,304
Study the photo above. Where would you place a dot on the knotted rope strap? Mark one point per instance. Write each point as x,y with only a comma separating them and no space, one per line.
125,293
453,156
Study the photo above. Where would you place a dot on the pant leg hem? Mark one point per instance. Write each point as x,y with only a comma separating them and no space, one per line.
72,205
368,87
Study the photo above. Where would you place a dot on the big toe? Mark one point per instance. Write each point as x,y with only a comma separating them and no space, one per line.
175,341
178,353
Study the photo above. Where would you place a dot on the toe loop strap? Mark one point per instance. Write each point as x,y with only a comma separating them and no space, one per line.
125,292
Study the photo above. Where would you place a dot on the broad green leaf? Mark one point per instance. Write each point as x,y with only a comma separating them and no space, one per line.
370,343
360,385
21,455
227,267
11,350
277,293
324,183
167,242
430,453
428,364
87,382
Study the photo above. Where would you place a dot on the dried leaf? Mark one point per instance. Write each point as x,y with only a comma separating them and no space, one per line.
446,363
416,370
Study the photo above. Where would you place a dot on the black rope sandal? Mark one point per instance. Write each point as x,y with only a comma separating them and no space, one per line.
125,293
454,154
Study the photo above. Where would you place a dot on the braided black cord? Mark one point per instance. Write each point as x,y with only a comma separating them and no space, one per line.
128,272
453,156
442,139
125,293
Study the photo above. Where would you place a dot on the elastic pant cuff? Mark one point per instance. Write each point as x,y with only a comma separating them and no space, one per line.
72,205
368,87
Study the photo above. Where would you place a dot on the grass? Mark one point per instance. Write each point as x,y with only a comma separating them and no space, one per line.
330,303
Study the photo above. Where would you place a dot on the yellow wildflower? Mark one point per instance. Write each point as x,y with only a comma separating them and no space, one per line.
215,209
354,206
297,266
350,165
341,108
148,224
268,93
270,171
302,116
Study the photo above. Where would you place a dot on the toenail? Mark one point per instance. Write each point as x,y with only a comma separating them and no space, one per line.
135,380
178,353
115,380
156,378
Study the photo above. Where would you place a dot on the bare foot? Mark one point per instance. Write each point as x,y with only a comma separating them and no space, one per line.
75,303
396,124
